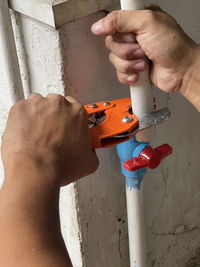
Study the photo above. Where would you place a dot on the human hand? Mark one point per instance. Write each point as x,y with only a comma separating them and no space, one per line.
170,50
52,133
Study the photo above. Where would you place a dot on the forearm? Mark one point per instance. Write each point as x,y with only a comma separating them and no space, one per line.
191,83
29,219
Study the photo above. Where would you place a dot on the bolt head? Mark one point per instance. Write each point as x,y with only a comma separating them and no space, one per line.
106,103
127,119
93,106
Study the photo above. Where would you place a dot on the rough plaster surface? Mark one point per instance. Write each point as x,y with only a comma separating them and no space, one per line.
59,12
90,78
72,61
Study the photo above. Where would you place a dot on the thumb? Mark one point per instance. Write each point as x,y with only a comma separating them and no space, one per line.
120,21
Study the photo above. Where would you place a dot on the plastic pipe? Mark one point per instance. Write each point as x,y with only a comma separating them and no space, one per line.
142,103
137,242
141,93
21,52
9,54
136,229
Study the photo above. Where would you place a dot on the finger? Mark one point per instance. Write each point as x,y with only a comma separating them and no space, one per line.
78,107
124,50
127,66
127,79
72,100
56,97
35,96
117,21
126,37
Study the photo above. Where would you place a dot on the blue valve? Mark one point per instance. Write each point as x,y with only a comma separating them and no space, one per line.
126,151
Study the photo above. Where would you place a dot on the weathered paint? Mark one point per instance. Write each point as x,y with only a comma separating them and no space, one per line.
59,12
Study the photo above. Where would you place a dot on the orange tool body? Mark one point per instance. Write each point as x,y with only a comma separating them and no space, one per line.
113,124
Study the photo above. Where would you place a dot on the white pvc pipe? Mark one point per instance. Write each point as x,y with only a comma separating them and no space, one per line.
21,52
136,229
9,54
142,103
141,93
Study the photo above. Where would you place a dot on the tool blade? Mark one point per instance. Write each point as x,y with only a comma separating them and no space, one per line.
147,121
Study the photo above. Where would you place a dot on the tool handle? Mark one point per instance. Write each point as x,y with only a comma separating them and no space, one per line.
149,158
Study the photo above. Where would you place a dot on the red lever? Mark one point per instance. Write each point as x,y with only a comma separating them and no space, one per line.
148,157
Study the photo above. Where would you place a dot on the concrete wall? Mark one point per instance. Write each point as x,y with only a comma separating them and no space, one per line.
70,60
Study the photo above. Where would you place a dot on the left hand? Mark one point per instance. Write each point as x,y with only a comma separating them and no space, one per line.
152,32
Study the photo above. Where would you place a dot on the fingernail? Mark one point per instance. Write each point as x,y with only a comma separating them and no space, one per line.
131,78
96,27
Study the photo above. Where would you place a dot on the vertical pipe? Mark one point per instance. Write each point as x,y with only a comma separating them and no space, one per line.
9,54
142,103
141,93
134,196
136,229
21,52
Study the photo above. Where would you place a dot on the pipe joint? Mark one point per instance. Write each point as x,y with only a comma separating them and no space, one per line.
126,151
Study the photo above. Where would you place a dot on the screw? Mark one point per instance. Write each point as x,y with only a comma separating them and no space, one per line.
94,106
127,119
106,103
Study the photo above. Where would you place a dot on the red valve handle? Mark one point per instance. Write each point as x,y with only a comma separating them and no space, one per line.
148,157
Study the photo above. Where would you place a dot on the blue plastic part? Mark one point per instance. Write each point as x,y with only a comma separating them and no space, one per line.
139,149
126,151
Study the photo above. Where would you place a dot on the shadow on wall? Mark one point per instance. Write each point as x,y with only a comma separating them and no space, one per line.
195,260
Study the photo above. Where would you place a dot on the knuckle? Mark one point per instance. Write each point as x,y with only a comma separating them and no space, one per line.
12,110
81,111
18,109
57,99
110,57
126,67
53,96
127,53
120,78
108,42
112,16
150,15
18,106
35,95
109,20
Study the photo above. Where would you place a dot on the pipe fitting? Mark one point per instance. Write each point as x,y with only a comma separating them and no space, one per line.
126,151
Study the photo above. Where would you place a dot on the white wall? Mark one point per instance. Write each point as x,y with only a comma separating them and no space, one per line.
71,60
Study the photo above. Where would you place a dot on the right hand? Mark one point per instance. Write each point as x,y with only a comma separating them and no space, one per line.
163,41
50,133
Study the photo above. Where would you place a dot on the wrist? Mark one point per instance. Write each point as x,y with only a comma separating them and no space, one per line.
190,88
29,181
22,168
30,192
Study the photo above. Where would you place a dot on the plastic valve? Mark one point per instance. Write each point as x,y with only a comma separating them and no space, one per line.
148,158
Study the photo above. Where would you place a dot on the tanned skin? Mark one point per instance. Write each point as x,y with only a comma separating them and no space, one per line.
174,56
46,144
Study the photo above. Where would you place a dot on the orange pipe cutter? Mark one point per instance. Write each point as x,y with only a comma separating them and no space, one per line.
112,122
